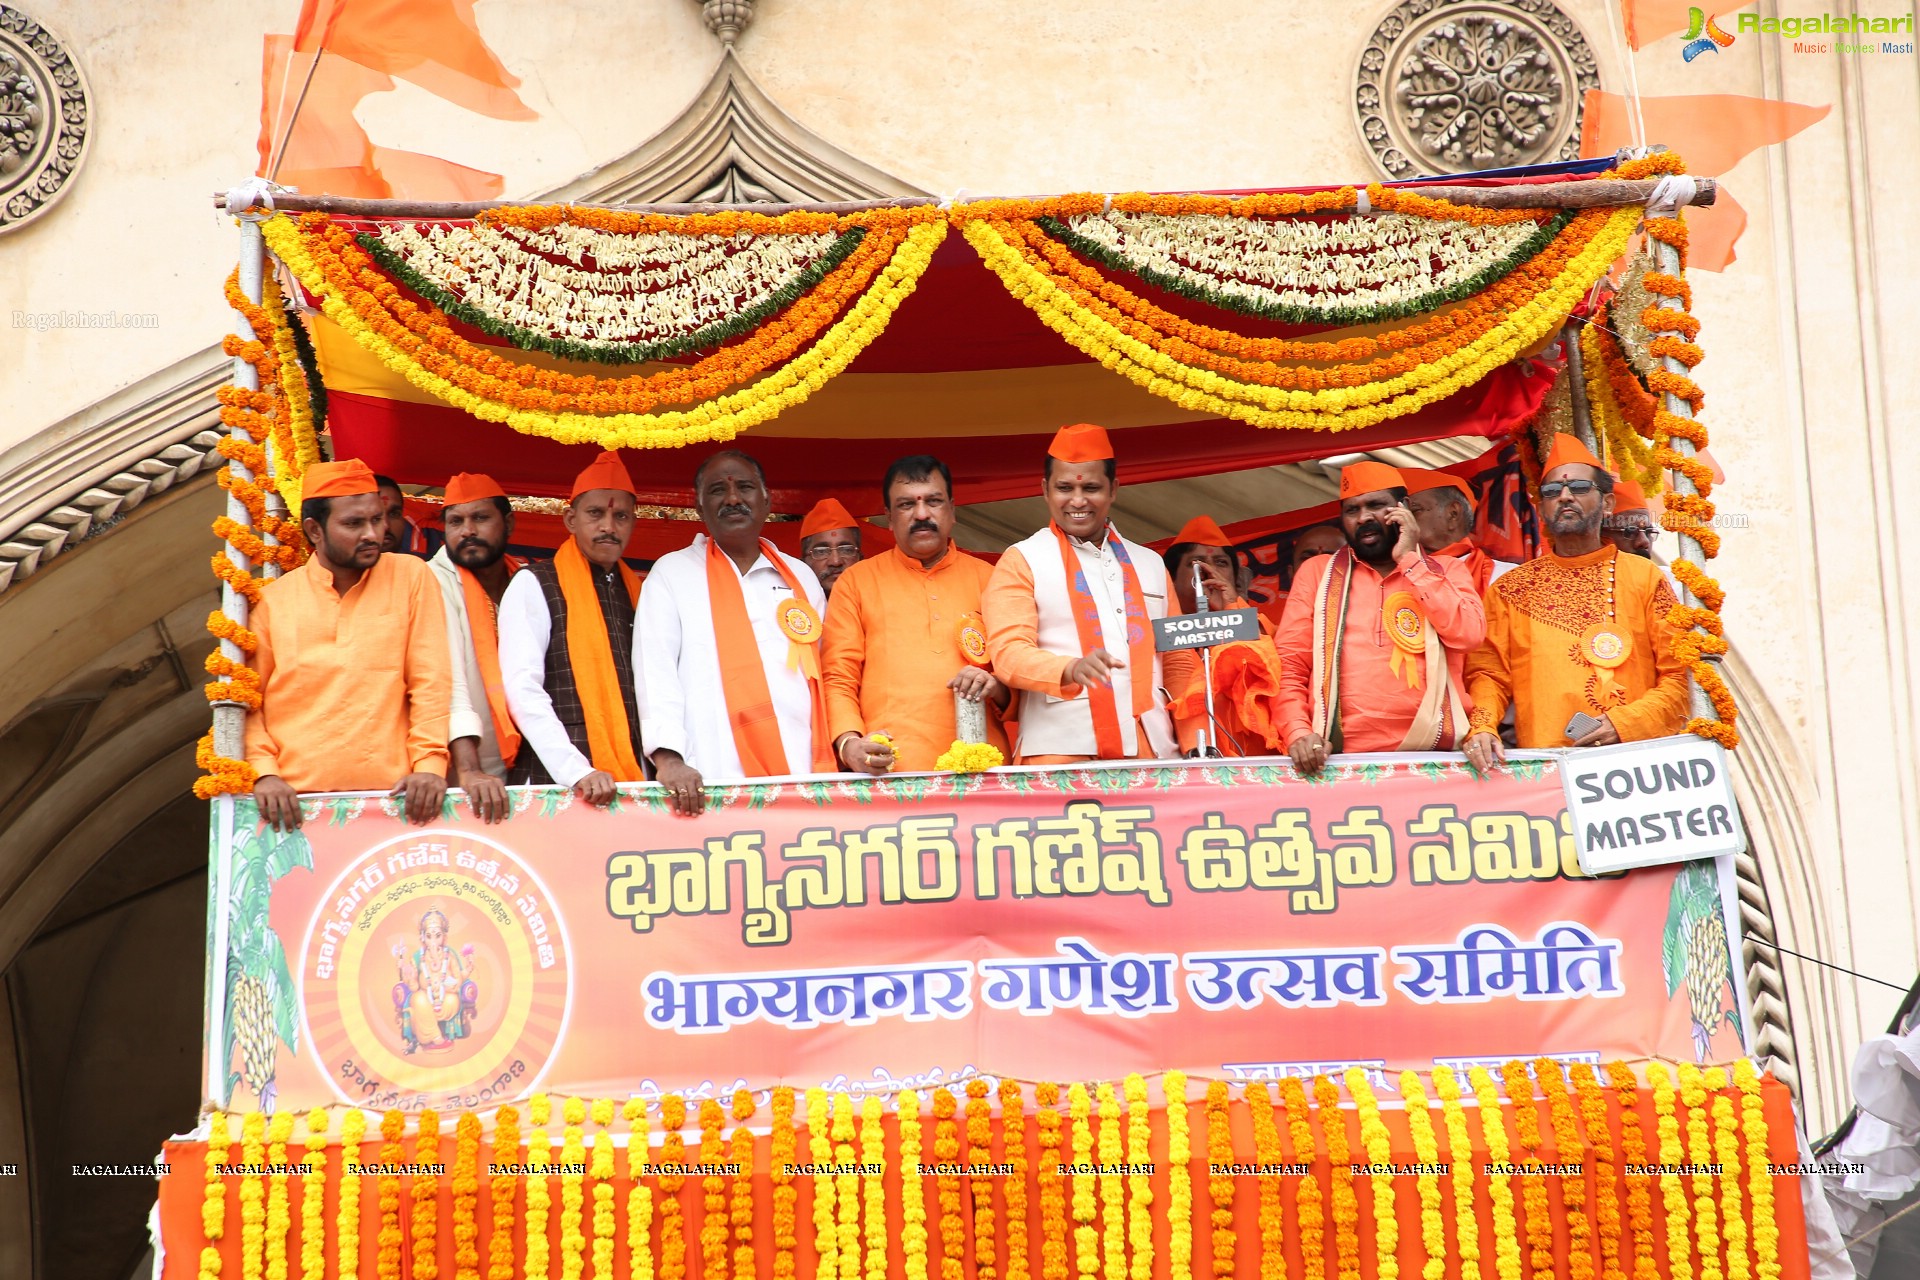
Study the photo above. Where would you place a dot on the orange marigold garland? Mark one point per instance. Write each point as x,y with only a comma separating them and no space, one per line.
602,1168
1309,1202
501,1190
426,1195
392,1154
946,1154
713,1187
979,1186
1220,1237
1606,1176
1460,1169
466,1197
1344,1200
1533,1184
1053,1188
673,1160
741,1213
1013,1142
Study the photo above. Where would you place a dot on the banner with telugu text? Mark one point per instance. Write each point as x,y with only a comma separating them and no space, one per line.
1228,919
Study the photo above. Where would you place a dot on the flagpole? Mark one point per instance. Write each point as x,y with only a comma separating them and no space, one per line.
280,148
1623,47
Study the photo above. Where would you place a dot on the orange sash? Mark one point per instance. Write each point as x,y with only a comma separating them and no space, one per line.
486,648
1086,621
1478,562
743,680
609,736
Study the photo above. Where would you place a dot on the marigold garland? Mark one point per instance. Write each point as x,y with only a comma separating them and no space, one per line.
573,1190
946,1154
1533,1184
1309,1203
1426,1150
1345,1201
1013,1142
979,1154
1139,1184
313,1189
1053,1189
213,1201
874,1187
969,757
1753,1123
392,1154
1493,1130
602,1169
1568,1149
1086,1206
673,1161
826,1246
1706,1220
741,1213
913,1190
279,1218
346,1217
539,1191
1379,1147
1672,1156
1220,1236
1266,1154
1113,1184
1173,1087
713,1192
640,1196
1606,1176
1460,1168
253,1193
466,1197
846,1187
1726,1154
501,1190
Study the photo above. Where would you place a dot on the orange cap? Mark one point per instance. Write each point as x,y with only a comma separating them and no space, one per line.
604,472
1420,480
342,479
1628,496
1566,448
1081,442
1201,531
827,514
471,486
1368,477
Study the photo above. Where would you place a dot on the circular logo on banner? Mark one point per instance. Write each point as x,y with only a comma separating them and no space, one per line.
798,620
436,964
1605,646
1406,624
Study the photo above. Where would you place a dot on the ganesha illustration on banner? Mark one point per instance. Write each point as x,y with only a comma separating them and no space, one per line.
436,997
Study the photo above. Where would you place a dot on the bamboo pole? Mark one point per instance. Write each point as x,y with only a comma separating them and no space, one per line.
1577,388
1594,193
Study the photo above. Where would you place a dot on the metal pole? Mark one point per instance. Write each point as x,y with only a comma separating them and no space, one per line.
229,718
1667,258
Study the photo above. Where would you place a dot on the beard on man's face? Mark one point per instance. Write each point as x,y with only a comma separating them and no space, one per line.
477,553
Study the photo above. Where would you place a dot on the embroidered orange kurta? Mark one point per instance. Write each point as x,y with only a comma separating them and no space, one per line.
1536,615
892,642
1377,706
355,688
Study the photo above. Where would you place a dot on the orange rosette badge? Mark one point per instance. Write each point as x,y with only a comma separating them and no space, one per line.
1407,627
973,639
1605,646
801,625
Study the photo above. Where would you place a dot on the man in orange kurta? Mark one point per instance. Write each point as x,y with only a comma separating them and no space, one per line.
1582,630
1246,674
1442,506
1375,636
904,635
355,675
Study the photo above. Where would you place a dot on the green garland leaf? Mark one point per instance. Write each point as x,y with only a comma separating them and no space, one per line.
310,369
616,352
1290,313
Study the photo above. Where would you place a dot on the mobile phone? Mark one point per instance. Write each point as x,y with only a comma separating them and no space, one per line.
1581,725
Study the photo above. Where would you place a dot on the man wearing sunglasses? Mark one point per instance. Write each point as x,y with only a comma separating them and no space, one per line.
1578,641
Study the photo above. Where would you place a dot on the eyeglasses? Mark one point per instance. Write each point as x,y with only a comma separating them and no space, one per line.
1578,488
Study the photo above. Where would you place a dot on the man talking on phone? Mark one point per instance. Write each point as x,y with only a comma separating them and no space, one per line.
1577,641
1374,637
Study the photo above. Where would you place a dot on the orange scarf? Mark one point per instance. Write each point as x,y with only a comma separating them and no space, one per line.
609,736
743,679
486,648
1086,621
1478,562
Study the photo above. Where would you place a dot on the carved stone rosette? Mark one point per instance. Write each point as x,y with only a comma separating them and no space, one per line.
1449,85
44,118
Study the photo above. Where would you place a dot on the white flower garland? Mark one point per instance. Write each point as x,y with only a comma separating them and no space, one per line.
580,283
1300,262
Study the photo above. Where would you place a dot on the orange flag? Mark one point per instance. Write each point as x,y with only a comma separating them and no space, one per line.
1714,131
435,44
328,153
1648,20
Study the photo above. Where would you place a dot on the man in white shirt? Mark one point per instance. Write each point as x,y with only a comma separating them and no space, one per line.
1069,613
566,646
727,647
473,570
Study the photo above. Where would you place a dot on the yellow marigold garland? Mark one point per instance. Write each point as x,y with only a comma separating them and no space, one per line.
279,1218
1672,1156
539,1191
1173,1087
741,1212
573,1190
1345,1201
1753,1124
713,1189
873,1187
1627,452
969,757
1426,1150
392,1154
1309,1203
466,1197
1460,1168
602,1168
846,1188
913,1189
826,1246
1493,1130
1533,1184
1726,1154
1568,1149
213,1201
1086,1205
1053,1189
782,1150
346,1217
1139,1184
1266,1154
1013,1142
1606,1176
1220,1236
253,1194
640,1195
720,418
946,1154
1113,1186
313,1192
979,1154
1706,1220
426,1195
1379,1147
502,1189
673,1160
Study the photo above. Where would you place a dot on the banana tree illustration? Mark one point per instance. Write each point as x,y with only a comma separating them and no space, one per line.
1694,953
260,992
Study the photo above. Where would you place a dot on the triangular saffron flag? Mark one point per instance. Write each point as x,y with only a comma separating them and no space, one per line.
435,44
1649,20
1714,132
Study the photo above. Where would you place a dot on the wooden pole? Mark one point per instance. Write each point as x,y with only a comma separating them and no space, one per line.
1598,193
1577,388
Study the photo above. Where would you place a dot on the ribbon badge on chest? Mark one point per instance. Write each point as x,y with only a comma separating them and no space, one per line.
801,626
973,639
1407,629
1605,646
